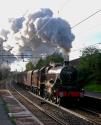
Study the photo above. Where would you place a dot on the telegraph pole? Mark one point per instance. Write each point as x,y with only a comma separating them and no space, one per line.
2,40
2,51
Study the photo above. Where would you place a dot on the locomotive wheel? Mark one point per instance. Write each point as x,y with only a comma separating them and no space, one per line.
57,100
53,98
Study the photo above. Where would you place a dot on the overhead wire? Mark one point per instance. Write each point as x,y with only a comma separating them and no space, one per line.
82,22
85,19
98,43
72,27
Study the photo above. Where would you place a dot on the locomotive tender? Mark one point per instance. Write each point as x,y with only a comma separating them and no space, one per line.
53,82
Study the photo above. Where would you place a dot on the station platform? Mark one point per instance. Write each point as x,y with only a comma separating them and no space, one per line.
4,118
96,95
19,114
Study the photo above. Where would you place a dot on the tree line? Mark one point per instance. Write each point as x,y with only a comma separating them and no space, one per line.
90,65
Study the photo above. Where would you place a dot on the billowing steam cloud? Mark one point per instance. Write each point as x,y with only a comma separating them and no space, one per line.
39,33
41,14
16,23
4,33
56,31
5,56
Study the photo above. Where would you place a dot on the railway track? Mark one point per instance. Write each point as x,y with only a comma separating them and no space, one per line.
45,117
91,111
93,105
89,114
60,115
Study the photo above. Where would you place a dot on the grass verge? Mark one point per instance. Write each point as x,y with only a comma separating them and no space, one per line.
93,87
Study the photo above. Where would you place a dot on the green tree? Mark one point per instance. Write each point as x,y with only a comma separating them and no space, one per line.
98,68
88,51
90,64
29,66
4,72
54,58
41,63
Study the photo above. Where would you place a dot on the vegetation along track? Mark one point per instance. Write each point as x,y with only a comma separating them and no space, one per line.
62,115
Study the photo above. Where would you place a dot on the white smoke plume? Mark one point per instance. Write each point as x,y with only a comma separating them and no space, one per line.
4,66
5,56
39,33
56,31
4,33
16,23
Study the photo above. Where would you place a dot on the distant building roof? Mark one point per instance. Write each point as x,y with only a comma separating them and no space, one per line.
75,62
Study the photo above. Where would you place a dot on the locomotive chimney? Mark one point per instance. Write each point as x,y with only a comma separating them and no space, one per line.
66,59
66,56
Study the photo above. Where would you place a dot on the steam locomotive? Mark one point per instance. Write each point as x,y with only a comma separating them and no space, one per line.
56,83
